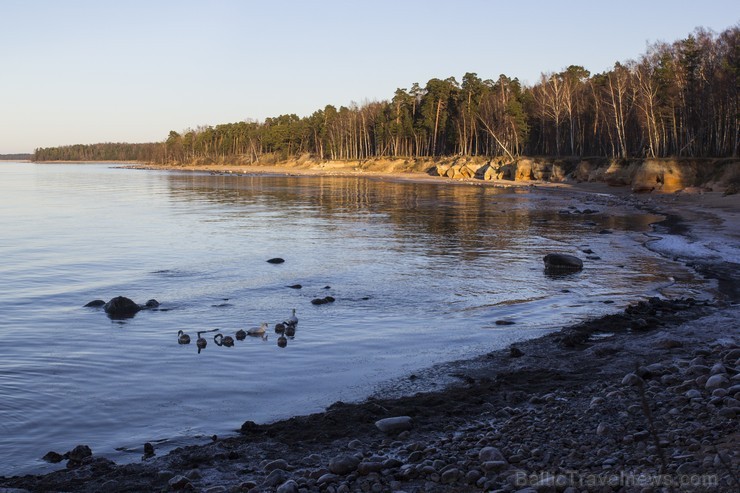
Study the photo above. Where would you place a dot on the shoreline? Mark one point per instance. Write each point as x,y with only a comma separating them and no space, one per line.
557,377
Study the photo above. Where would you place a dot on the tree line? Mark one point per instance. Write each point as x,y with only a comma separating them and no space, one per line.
677,99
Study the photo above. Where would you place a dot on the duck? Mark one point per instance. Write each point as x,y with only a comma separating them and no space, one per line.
182,337
257,331
282,341
290,330
292,320
279,328
201,342
222,340
241,334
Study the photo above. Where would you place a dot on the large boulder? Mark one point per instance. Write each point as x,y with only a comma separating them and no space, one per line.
121,307
561,262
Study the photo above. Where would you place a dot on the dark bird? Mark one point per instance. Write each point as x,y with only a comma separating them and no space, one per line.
201,342
222,340
182,337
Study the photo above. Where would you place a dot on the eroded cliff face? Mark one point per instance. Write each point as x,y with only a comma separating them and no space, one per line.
641,175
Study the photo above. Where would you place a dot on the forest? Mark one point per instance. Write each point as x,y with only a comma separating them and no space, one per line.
678,99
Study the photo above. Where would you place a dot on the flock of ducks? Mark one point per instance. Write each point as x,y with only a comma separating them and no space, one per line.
285,329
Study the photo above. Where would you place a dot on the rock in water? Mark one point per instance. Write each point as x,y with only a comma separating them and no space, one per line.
562,262
95,304
121,307
53,457
276,260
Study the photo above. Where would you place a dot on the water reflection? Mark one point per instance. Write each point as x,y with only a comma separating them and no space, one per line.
447,221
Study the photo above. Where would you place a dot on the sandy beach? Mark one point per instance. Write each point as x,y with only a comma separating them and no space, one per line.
647,399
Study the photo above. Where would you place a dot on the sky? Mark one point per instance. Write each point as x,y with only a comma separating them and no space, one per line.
87,71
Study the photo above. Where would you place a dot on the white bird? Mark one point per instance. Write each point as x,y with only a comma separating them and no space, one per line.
257,331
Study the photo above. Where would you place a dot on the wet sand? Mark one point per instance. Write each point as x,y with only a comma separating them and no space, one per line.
652,391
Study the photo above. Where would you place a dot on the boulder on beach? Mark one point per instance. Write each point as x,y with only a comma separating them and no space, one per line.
395,424
562,262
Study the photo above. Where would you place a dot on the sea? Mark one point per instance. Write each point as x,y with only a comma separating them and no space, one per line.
421,273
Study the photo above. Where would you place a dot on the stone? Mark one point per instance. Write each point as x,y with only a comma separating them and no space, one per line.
276,260
668,343
488,454
343,464
395,424
632,380
562,262
276,464
366,467
121,307
716,381
165,474
95,304
289,486
356,444
53,457
323,301
215,489
327,478
693,394
719,392
79,453
450,476
717,369
276,477
494,465
179,483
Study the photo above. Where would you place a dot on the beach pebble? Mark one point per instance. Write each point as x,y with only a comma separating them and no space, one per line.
276,464
396,424
327,478
356,445
343,464
716,381
693,394
179,483
450,476
276,477
366,467
632,380
289,486
488,454
215,489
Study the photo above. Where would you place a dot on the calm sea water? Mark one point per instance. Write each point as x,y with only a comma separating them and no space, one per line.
420,274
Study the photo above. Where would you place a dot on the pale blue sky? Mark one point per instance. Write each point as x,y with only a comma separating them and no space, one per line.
86,71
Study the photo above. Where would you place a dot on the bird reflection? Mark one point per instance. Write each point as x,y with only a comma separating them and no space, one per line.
222,340
282,341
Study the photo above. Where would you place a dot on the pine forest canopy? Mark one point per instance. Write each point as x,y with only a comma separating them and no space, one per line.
678,99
